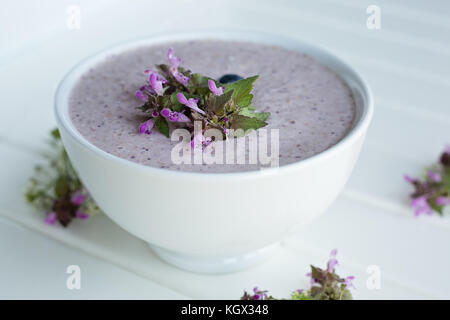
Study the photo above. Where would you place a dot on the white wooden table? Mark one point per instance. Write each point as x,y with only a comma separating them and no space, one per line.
407,63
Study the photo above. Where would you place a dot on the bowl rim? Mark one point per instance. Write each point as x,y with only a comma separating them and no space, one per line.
61,101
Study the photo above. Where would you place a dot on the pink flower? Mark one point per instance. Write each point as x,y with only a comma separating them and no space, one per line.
421,205
156,84
191,103
259,294
409,179
174,116
181,78
174,61
158,76
143,92
146,127
434,176
174,64
312,281
78,198
216,91
51,218
332,263
348,281
141,96
197,139
443,201
81,215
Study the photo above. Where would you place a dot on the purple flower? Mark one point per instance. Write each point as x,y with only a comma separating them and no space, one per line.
300,291
332,263
421,205
434,176
155,114
51,218
141,96
197,140
409,179
156,84
81,215
443,201
78,198
158,76
174,60
174,63
146,127
216,91
348,281
258,294
174,116
312,281
181,78
333,253
190,103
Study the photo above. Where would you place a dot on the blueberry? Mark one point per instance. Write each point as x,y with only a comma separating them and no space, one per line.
228,78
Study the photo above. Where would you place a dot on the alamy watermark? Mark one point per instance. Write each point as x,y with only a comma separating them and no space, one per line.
242,147
73,21
73,281
373,21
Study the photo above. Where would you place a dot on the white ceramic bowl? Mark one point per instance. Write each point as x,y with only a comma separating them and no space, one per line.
215,222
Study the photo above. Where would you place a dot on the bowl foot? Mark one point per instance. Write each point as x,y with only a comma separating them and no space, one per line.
214,265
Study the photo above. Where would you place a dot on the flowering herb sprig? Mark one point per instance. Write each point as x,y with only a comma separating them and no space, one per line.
57,190
325,285
432,193
176,95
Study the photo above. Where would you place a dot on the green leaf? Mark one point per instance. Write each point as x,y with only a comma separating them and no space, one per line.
55,134
198,80
432,202
217,104
61,187
162,125
258,115
242,89
246,123
176,105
